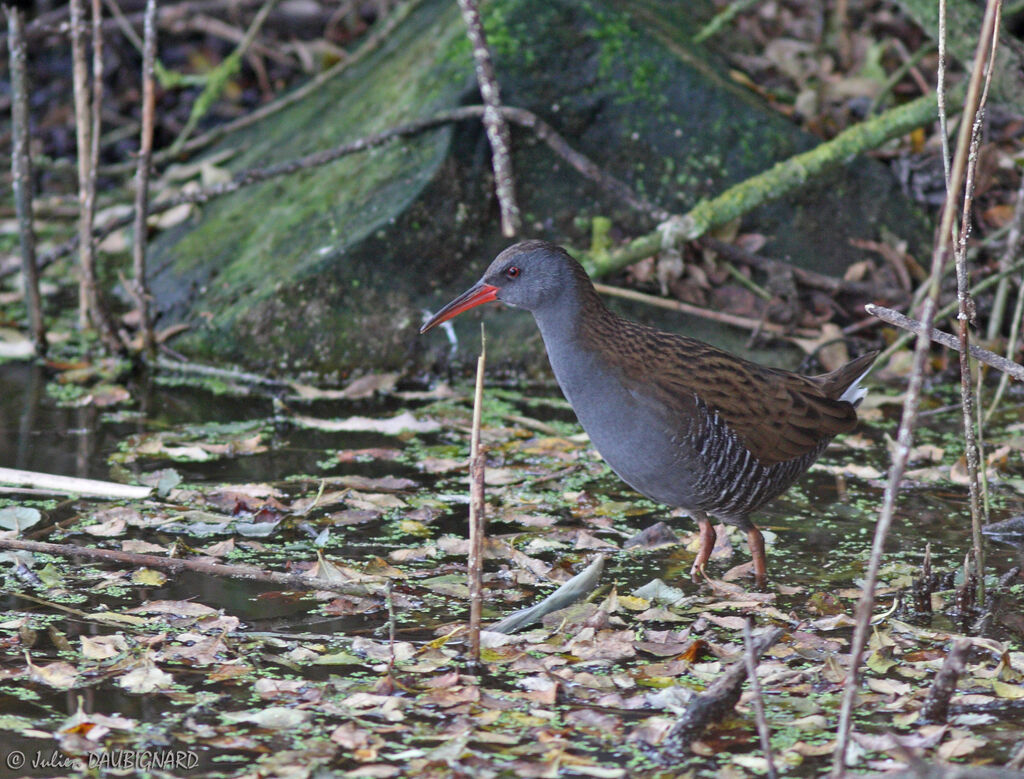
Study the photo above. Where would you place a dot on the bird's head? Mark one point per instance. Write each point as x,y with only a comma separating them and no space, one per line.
530,275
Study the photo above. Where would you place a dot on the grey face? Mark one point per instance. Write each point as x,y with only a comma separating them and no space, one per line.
529,275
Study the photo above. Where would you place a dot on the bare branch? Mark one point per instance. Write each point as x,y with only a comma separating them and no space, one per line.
21,172
948,340
139,287
494,122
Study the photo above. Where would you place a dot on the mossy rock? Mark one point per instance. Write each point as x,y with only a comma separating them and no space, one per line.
331,270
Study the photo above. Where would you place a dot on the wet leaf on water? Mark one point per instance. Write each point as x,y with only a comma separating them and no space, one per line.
164,480
103,647
367,455
59,675
272,717
402,423
19,518
655,536
959,746
381,484
147,577
363,387
103,395
112,526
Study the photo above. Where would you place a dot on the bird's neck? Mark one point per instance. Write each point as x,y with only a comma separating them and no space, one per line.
567,327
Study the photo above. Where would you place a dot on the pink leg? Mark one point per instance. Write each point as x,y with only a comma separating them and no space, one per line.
707,544
756,543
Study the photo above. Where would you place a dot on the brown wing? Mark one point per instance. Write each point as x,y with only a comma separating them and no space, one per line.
777,414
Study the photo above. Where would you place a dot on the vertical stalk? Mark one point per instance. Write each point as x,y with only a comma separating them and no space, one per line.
140,289
21,170
494,122
476,509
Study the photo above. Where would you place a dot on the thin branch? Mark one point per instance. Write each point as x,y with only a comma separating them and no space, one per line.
967,315
705,313
90,307
494,122
757,698
809,278
477,509
21,173
219,77
948,340
139,286
904,440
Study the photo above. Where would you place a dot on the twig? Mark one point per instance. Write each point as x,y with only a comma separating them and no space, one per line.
219,76
477,507
757,698
722,19
390,600
494,122
905,436
21,173
294,581
705,313
936,705
940,93
71,485
949,308
715,702
948,340
967,315
139,286
90,305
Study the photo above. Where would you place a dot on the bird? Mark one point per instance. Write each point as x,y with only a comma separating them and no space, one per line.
683,422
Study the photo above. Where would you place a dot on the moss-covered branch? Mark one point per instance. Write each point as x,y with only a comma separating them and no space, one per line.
777,181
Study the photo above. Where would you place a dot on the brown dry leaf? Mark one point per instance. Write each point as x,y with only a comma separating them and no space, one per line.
442,464
220,549
104,395
660,614
176,608
829,346
145,677
401,423
381,484
59,675
269,689
959,747
834,622
814,750
137,546
372,453
374,500
363,387
103,647
889,686
114,526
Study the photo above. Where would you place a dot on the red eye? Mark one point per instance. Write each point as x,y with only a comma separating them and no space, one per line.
512,272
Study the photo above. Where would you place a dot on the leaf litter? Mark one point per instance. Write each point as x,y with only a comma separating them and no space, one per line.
592,689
